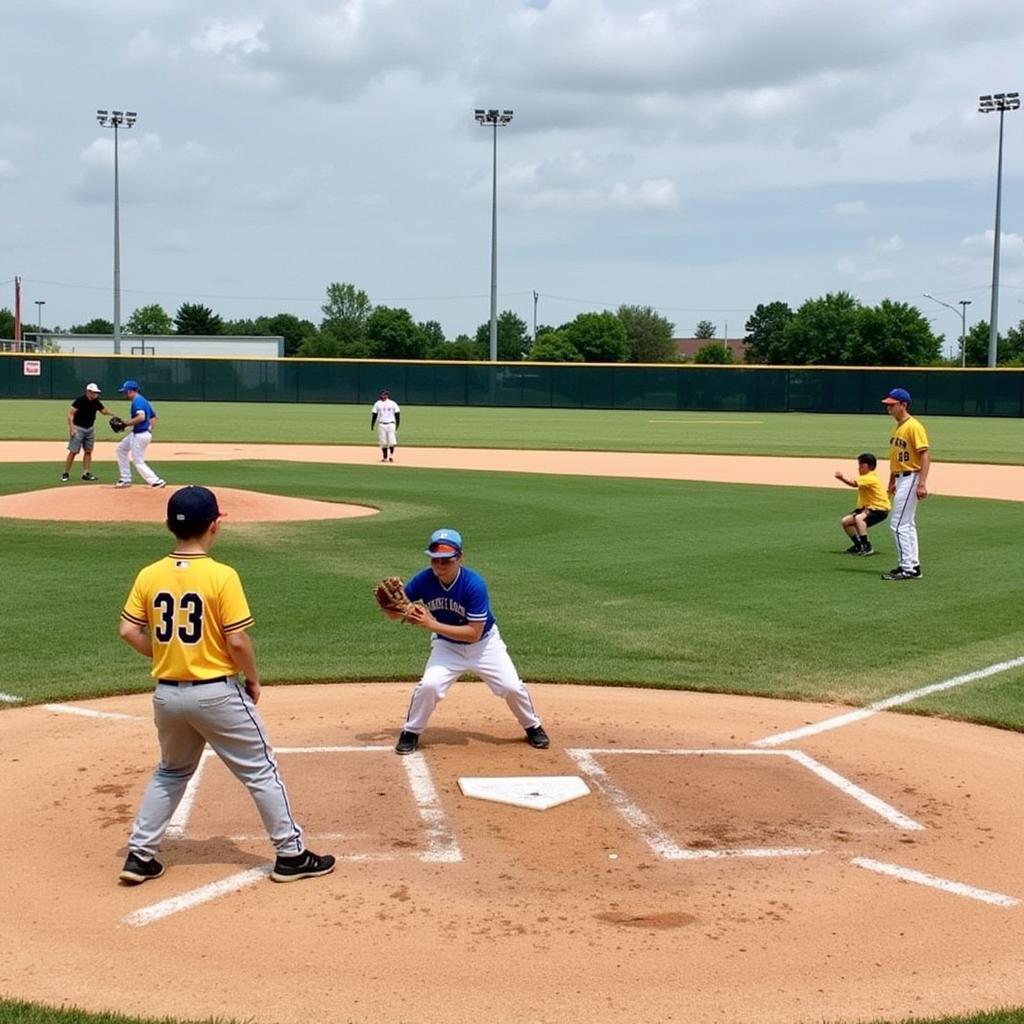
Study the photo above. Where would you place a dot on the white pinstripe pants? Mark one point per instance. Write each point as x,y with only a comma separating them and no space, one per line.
902,521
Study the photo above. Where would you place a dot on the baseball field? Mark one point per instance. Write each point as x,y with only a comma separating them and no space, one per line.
684,621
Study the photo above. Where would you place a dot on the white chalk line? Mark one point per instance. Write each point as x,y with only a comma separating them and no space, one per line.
869,800
9,698
441,844
176,829
196,897
70,709
934,882
849,717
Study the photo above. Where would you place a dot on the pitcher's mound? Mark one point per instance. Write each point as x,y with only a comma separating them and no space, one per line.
101,503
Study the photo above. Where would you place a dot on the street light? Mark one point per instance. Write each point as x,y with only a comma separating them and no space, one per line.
1001,101
117,119
495,118
39,319
964,303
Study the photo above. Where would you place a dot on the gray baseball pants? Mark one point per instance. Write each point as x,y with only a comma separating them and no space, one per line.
188,716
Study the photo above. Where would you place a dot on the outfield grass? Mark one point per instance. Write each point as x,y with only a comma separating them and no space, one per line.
699,586
954,439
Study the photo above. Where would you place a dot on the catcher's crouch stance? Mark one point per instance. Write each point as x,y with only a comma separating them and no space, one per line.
451,601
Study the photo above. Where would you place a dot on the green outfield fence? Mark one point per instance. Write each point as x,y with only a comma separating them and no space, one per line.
941,392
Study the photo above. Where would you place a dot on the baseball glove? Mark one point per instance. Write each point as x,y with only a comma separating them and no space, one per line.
117,424
391,596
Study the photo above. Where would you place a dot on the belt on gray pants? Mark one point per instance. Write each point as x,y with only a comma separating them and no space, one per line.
907,472
192,682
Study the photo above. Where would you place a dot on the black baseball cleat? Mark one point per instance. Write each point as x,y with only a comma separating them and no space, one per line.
537,737
303,865
407,742
64,478
903,574
136,870
853,549
869,550
89,476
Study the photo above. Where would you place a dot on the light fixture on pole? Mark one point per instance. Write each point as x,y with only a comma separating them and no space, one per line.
117,119
964,303
39,319
1001,101
495,118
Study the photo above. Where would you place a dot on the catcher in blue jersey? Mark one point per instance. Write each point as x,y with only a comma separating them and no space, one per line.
451,601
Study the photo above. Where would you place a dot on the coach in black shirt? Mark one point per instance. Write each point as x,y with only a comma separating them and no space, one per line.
82,430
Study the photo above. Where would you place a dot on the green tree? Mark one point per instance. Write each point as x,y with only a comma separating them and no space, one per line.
6,324
764,332
463,348
648,335
713,352
977,345
823,332
153,319
1012,350
513,338
434,332
392,334
343,328
290,327
554,347
893,334
95,326
705,329
598,337
194,318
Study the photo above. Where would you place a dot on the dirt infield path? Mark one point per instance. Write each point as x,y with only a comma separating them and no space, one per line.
946,478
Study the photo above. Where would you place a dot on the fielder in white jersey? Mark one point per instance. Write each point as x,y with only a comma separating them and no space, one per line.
131,449
909,462
387,416
456,609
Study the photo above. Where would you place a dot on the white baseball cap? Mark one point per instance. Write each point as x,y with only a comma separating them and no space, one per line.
93,387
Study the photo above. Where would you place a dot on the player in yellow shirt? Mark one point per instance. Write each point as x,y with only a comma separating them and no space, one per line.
910,459
872,504
188,614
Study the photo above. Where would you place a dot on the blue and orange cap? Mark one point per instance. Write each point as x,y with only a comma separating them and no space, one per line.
444,543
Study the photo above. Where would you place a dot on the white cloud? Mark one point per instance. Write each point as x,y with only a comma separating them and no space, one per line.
850,208
1011,244
891,244
6,167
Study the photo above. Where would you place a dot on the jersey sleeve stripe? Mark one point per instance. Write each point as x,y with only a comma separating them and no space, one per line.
234,627
481,617
131,618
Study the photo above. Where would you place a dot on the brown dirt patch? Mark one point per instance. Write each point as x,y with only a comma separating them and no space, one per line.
561,915
105,503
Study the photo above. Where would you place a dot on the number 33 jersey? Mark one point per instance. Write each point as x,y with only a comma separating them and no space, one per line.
190,603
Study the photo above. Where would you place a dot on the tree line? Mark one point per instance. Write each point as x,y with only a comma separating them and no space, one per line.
834,330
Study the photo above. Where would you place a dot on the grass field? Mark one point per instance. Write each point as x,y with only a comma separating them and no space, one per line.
954,439
656,583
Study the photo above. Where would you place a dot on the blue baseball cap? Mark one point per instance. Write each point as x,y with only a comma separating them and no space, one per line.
130,385
193,506
897,395
444,543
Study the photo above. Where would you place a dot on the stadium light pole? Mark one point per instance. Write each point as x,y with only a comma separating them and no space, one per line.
964,303
117,119
1001,101
495,118
39,318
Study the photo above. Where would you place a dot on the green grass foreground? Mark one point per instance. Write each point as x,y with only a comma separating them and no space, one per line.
953,438
17,1012
686,585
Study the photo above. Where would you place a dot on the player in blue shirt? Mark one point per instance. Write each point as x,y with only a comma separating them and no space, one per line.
132,447
456,609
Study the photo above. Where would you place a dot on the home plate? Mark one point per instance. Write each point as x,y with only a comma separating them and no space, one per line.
538,792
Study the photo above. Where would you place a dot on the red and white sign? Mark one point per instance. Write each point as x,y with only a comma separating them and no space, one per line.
33,368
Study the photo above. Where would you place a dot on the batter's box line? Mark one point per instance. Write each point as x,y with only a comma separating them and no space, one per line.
662,844
441,846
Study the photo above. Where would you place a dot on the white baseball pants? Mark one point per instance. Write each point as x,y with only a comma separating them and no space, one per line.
489,659
902,520
132,448
387,436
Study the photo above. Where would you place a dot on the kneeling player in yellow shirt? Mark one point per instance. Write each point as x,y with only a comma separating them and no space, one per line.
873,504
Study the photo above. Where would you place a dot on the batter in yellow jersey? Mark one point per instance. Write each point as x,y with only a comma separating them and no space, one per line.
188,614
909,462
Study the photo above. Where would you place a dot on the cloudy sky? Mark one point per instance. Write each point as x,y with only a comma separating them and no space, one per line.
699,157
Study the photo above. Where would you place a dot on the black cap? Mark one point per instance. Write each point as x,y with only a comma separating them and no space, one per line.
192,507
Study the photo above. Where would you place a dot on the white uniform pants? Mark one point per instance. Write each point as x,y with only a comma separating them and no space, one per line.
223,715
901,519
133,447
489,659
386,435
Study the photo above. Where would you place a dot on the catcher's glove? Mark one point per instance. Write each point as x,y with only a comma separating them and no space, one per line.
391,596
117,424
